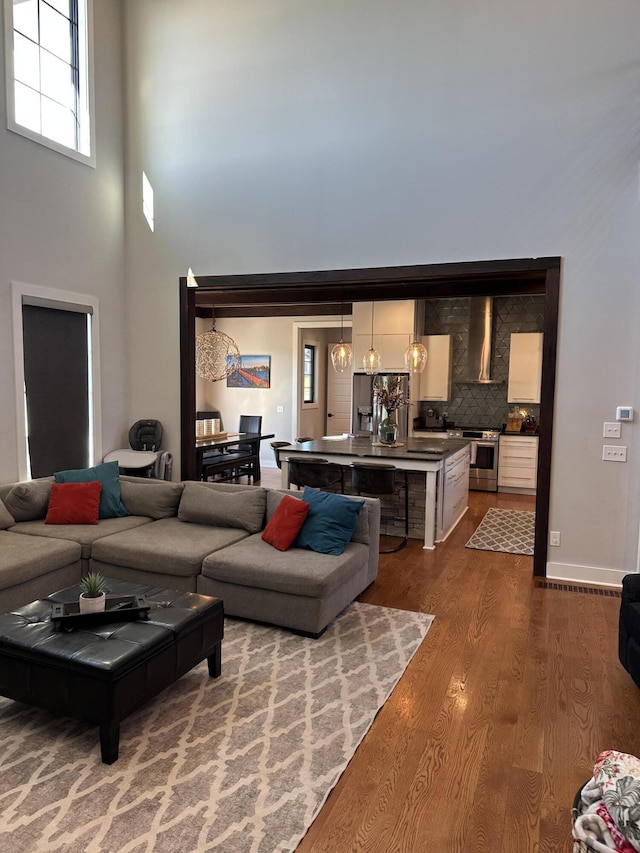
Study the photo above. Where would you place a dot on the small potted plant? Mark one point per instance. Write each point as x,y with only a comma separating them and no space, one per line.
93,589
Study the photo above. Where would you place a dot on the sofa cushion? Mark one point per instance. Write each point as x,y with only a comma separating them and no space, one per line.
330,522
84,534
168,546
244,508
26,558
153,498
254,563
286,522
27,501
6,519
360,534
74,503
110,504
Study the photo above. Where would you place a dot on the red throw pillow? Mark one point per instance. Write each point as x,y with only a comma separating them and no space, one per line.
286,522
74,503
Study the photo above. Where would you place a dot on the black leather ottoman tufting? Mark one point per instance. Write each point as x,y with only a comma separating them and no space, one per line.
103,674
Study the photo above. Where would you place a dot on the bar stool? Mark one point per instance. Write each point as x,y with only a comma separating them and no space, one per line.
276,446
375,480
315,472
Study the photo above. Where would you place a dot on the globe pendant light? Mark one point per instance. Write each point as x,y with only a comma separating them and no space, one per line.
341,353
415,357
371,360
217,355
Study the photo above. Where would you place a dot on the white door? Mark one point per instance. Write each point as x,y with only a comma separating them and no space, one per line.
338,399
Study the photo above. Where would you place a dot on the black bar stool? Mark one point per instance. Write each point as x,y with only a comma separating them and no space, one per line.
315,472
375,480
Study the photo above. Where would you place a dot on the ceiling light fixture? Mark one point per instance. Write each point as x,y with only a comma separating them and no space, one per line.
415,356
341,354
371,360
217,355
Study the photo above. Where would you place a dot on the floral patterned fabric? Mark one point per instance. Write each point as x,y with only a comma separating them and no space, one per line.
610,822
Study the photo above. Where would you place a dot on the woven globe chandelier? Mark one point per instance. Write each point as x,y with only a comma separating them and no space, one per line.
217,355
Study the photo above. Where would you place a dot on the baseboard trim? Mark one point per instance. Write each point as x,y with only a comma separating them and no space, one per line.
585,574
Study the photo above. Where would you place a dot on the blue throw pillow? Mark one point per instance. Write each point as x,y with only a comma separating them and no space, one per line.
330,522
110,504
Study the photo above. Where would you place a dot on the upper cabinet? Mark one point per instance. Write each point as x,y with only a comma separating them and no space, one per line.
525,368
392,332
435,380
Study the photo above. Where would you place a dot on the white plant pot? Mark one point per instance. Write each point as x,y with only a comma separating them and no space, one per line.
92,605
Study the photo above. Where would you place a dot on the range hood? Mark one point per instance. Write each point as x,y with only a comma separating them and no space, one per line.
479,344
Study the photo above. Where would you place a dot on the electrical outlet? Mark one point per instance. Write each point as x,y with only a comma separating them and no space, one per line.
554,537
611,430
279,409
614,453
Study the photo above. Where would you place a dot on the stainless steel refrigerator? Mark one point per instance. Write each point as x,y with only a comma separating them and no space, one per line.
367,412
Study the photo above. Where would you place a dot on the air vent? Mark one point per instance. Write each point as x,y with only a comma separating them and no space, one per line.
570,587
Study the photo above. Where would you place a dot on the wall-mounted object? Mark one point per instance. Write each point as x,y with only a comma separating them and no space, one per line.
253,371
624,413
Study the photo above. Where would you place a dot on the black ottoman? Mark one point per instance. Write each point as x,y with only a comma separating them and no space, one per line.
103,674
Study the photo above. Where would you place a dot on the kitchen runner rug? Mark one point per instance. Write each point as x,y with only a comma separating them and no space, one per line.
238,764
508,530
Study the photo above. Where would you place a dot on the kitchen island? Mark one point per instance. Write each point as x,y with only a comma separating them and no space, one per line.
444,462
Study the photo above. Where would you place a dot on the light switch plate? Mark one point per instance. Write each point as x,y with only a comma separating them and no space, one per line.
611,430
614,453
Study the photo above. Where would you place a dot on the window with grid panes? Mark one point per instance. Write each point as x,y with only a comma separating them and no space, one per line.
309,375
47,59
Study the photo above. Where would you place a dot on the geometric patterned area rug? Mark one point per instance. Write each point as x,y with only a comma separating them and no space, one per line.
507,530
238,764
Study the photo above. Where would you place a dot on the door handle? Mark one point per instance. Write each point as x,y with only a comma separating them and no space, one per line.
329,415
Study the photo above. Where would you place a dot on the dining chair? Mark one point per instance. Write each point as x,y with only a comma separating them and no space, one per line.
248,423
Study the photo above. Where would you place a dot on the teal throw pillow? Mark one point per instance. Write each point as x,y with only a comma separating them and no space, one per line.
111,505
330,522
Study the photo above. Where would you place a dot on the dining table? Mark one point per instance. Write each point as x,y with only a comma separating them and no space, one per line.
232,439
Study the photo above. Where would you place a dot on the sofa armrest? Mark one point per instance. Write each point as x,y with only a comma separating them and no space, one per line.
631,588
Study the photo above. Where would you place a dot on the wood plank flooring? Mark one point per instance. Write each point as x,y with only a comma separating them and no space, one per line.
499,717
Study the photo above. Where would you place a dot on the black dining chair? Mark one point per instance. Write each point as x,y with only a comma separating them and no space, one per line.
245,452
377,480
315,472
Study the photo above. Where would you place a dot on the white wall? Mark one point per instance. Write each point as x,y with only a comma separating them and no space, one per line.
299,136
62,226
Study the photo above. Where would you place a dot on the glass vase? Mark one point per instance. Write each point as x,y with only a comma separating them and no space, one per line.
388,429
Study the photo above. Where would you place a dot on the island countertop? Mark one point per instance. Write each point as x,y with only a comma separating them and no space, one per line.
423,449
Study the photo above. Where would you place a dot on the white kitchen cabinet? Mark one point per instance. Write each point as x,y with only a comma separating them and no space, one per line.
392,332
453,492
525,368
435,380
518,463
390,317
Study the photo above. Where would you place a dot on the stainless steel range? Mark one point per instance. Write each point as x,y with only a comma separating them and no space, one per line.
483,473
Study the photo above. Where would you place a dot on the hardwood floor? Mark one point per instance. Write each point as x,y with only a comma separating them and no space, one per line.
499,717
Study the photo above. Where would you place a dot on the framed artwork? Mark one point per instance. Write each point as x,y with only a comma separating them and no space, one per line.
254,372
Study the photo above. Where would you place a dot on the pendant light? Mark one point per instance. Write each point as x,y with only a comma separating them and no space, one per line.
415,356
341,353
371,360
217,355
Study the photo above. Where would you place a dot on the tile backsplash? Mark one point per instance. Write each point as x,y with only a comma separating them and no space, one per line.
473,404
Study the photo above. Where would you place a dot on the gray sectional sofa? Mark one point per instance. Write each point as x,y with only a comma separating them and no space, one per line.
192,536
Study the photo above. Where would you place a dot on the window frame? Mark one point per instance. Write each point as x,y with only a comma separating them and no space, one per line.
47,297
85,60
315,347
